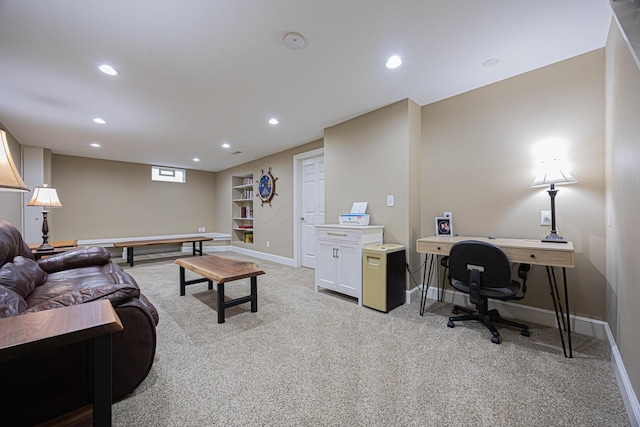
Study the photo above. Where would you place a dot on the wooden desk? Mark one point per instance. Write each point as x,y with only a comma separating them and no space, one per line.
528,251
95,321
178,240
222,270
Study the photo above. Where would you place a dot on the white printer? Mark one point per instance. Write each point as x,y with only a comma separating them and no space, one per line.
357,216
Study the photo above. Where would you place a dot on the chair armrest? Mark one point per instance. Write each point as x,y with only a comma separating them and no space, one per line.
75,258
444,261
523,270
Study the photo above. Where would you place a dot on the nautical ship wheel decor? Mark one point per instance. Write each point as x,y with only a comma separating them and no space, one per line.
266,187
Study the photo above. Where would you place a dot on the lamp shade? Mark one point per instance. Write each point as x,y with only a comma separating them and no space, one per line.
553,174
46,197
10,179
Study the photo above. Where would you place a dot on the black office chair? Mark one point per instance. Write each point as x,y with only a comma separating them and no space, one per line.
483,271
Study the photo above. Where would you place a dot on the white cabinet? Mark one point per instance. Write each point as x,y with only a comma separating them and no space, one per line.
339,256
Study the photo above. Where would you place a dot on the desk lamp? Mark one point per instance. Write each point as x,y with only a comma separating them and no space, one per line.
552,175
46,197
10,179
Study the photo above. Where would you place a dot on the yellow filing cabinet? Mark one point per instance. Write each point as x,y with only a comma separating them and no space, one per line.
383,276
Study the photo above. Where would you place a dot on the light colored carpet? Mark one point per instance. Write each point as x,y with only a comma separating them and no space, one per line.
311,358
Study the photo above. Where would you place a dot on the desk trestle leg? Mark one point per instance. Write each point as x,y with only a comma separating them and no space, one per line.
184,283
198,250
557,306
426,279
252,298
130,256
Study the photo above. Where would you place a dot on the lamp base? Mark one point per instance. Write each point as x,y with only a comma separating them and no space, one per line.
45,247
554,238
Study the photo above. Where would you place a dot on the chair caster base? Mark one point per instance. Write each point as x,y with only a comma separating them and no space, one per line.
495,340
525,333
450,324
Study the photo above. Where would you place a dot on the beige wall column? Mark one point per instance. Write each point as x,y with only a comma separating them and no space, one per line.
370,157
623,200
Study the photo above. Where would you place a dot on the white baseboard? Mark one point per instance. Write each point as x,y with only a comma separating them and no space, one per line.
626,389
579,324
108,243
261,255
217,237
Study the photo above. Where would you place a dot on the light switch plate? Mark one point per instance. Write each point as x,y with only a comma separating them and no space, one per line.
390,200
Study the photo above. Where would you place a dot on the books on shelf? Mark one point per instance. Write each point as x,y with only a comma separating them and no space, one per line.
247,181
246,212
248,237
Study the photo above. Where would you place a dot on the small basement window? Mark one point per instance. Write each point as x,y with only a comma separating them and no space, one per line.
161,173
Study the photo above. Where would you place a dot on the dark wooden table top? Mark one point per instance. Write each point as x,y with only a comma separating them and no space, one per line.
32,332
220,269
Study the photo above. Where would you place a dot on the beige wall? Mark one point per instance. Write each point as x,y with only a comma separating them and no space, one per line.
479,161
271,223
10,201
108,199
368,158
623,200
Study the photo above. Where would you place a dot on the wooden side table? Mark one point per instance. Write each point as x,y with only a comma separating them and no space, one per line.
58,244
93,322
41,254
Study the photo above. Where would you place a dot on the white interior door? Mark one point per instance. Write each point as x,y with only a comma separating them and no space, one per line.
312,207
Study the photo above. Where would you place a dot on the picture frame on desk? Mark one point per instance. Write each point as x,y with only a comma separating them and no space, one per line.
444,226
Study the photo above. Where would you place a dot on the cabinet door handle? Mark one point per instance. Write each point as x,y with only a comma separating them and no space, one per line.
337,252
338,234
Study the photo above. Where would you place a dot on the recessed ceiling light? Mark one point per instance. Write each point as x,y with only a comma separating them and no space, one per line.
273,121
490,62
195,159
95,144
108,69
394,62
225,145
99,121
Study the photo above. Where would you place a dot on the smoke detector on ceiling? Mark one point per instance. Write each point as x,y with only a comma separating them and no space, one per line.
294,41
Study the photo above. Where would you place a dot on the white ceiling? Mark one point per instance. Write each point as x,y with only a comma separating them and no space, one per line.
197,73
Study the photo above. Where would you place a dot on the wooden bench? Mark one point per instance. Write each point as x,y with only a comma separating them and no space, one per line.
129,245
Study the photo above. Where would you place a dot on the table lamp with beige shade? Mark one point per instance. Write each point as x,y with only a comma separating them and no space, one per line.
46,197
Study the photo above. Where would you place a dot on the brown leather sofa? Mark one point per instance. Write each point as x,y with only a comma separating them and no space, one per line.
47,384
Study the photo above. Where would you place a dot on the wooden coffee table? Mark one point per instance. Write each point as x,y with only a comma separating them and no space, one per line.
221,270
